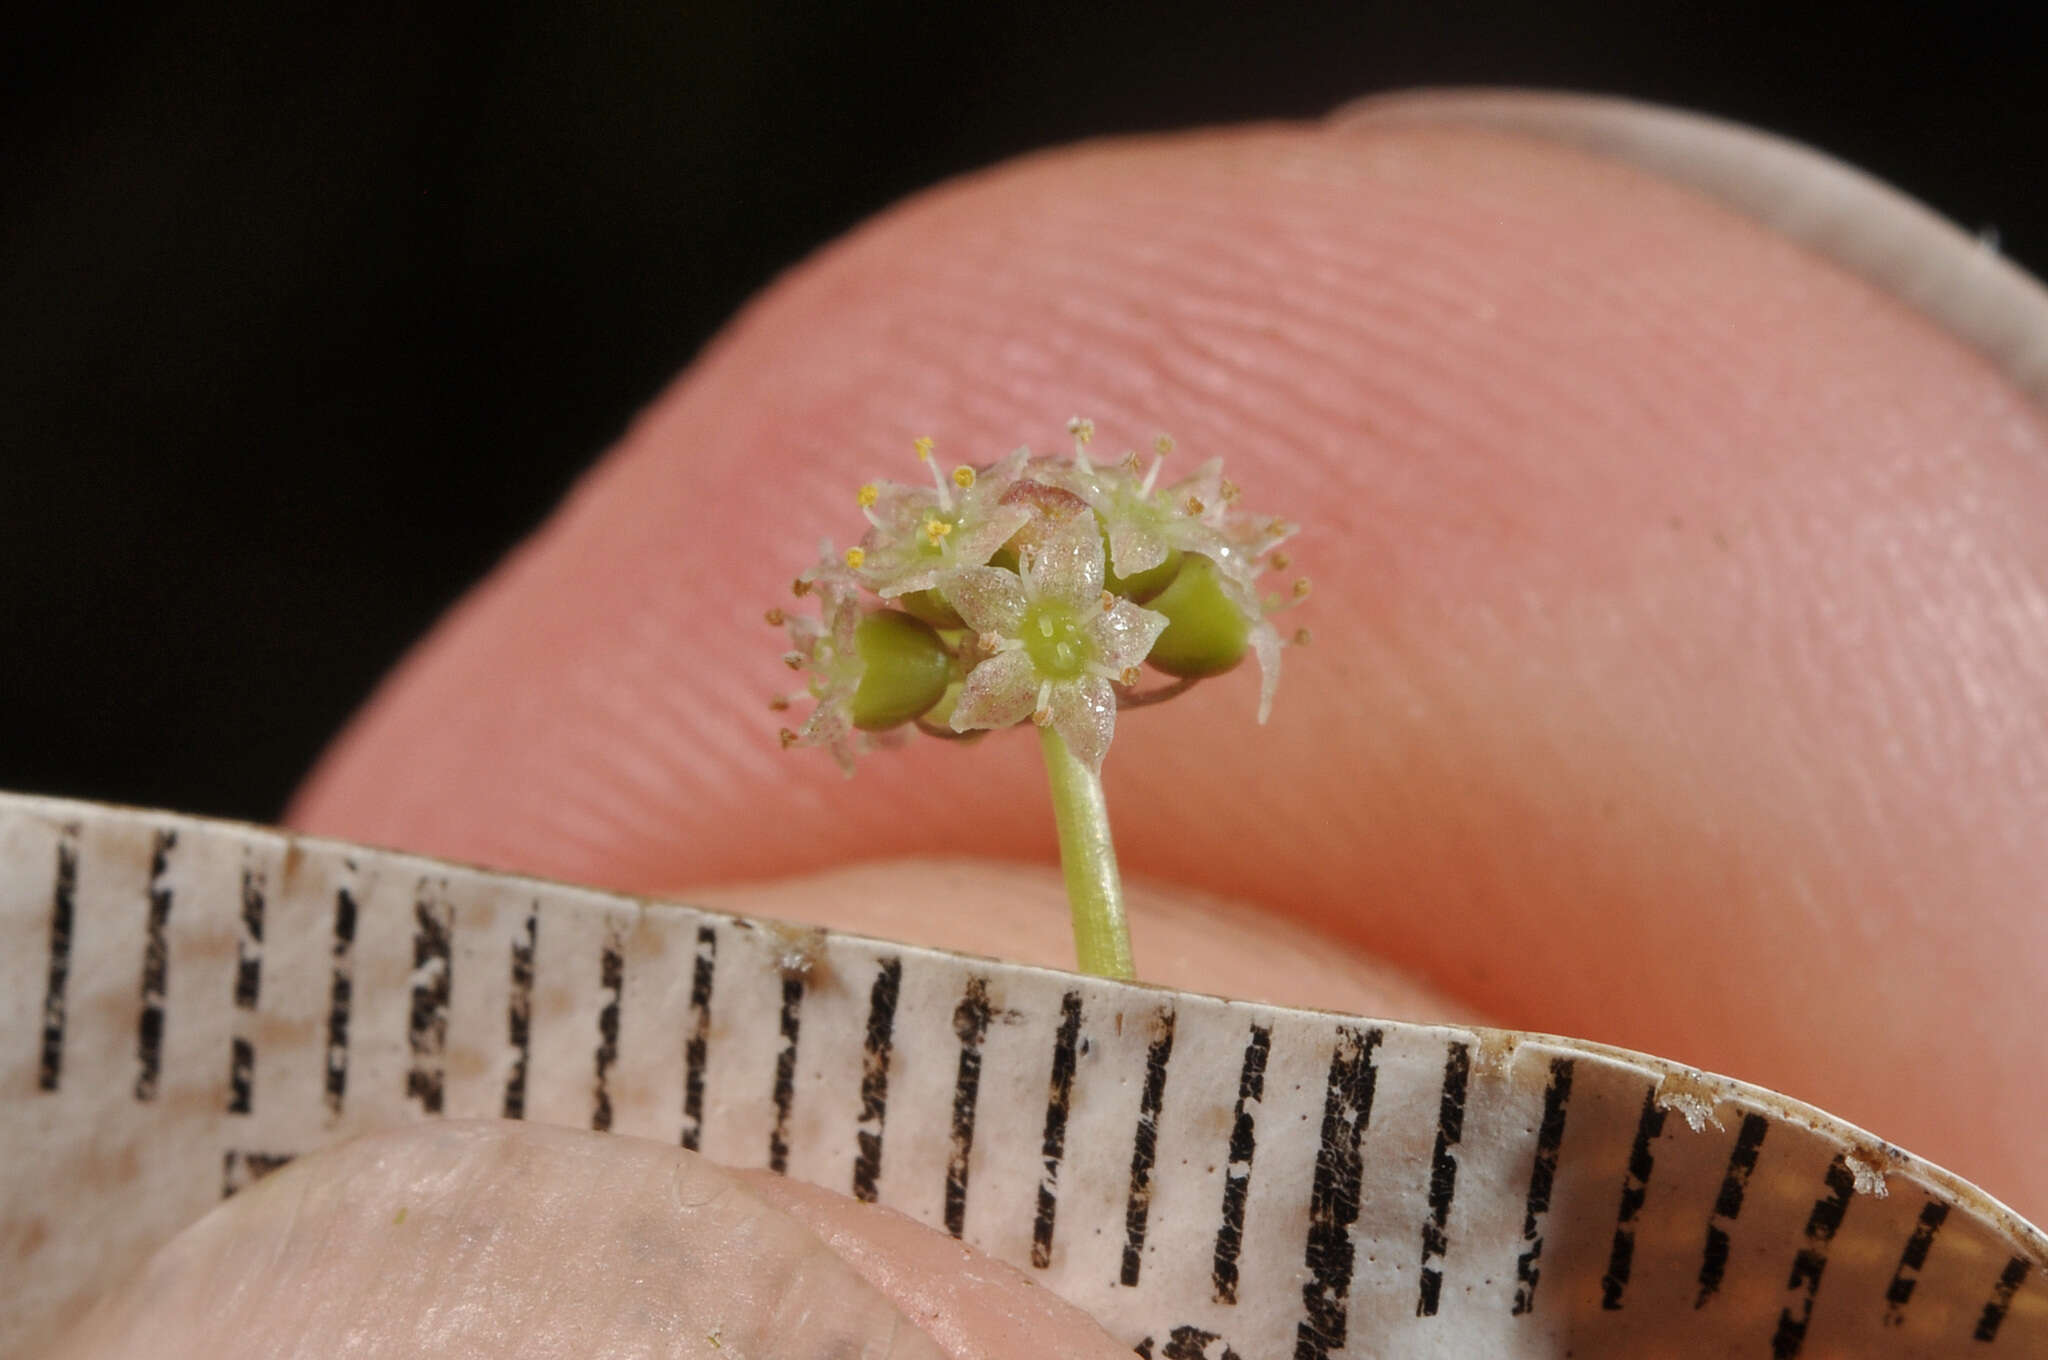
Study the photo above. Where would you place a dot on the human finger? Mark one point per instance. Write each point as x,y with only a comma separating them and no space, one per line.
1681,651
456,1238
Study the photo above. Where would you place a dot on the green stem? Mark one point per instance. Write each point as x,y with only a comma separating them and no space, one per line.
1095,894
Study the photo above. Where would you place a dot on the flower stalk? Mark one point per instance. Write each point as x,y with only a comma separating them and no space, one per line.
1095,891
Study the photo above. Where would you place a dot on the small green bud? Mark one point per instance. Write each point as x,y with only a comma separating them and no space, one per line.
1206,633
904,669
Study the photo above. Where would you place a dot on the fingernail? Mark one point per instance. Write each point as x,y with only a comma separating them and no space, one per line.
1849,217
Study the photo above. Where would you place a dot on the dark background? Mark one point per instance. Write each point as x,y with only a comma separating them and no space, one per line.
307,315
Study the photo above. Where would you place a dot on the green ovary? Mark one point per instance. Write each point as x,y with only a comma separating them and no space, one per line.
1053,640
1145,586
904,670
1205,633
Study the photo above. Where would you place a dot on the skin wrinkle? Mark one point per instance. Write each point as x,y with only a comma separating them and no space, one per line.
1840,212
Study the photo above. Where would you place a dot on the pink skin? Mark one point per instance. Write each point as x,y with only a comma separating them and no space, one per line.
1681,619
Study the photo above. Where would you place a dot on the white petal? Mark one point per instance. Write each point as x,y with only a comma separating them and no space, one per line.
1191,535
974,542
1123,635
1204,484
845,618
1068,566
1000,692
1135,545
993,483
1265,644
990,599
1084,714
900,510
895,584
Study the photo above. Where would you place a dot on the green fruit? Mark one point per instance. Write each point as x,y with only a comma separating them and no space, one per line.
1206,633
1145,586
904,670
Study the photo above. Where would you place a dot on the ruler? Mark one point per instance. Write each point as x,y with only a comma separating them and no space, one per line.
187,1004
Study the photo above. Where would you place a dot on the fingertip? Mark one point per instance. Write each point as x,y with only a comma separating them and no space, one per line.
1679,608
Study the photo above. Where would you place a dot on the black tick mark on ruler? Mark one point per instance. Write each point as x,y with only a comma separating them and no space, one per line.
239,1169
1804,1282
341,996
156,970
63,908
970,1025
432,984
611,977
1728,1206
248,991
696,1043
1904,1279
1635,1189
1059,1095
1443,1176
1334,1195
1542,1177
2009,1282
785,1071
519,1014
1237,1176
874,1079
1145,1148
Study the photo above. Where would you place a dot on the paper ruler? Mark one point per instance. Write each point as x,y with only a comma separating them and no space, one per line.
186,1004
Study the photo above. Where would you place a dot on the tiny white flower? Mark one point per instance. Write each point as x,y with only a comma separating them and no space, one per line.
1054,641
825,649
918,534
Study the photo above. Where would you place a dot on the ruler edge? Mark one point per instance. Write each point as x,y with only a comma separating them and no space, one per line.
1496,1047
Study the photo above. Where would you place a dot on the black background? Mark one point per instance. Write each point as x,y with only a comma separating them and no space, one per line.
307,315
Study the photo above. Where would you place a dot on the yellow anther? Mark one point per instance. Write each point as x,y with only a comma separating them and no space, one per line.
1129,678
1195,506
793,660
787,738
923,445
774,617
963,476
867,495
1301,637
1163,445
799,587
1280,561
1042,716
1082,428
1228,488
1301,588
935,530
855,557
779,704
1108,602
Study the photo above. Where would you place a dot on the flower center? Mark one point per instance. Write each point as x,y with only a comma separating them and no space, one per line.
932,534
1053,640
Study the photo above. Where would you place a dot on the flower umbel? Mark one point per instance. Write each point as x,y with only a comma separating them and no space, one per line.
1054,641
1038,587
